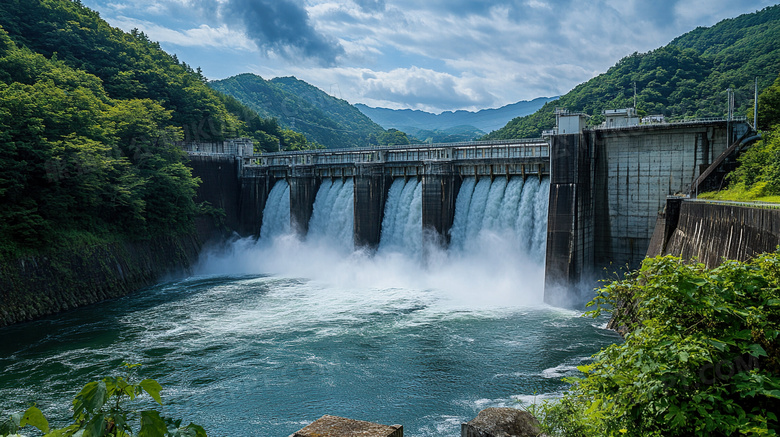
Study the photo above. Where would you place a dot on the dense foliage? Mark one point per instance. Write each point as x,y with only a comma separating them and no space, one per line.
302,108
75,160
392,137
88,119
701,357
450,135
102,409
132,67
758,174
769,107
686,79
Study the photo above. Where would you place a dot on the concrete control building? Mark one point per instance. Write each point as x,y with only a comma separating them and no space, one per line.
617,118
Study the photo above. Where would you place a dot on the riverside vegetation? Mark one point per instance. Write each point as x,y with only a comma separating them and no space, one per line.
701,356
79,166
102,409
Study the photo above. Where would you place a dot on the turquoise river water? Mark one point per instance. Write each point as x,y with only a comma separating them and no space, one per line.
268,336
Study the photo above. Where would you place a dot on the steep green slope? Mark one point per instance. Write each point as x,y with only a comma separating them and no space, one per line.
758,174
354,124
688,78
304,108
77,166
89,116
131,67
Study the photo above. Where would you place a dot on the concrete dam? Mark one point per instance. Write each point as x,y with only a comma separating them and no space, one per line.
577,202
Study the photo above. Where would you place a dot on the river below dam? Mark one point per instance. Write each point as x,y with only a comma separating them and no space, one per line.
267,336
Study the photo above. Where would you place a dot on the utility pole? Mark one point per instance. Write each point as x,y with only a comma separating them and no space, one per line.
730,112
731,104
634,95
755,108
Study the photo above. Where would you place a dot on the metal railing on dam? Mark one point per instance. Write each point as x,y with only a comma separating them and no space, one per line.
511,157
526,148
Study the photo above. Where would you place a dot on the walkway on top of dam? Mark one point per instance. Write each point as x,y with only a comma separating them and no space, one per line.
500,149
479,158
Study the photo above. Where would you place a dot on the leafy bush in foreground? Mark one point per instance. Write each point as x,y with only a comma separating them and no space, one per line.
702,355
100,409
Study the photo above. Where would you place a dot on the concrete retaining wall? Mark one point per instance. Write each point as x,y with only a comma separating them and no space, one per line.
303,192
607,187
712,232
570,243
36,286
220,187
240,194
637,169
440,187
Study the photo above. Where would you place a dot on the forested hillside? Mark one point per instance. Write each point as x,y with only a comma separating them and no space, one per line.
77,163
688,78
133,67
450,135
299,106
758,174
88,119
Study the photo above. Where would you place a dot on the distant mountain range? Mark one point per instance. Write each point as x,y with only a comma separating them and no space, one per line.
335,123
304,108
486,120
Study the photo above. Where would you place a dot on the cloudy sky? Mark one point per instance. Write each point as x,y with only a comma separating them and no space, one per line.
433,55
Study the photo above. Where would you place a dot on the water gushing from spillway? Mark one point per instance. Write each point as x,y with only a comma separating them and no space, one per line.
276,215
513,210
496,253
402,223
332,220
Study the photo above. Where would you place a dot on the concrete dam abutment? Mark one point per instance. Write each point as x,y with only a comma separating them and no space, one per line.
606,188
711,231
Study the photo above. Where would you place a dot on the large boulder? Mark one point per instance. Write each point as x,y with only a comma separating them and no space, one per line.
501,422
334,426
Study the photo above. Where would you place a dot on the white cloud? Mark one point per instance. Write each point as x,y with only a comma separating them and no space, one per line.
201,36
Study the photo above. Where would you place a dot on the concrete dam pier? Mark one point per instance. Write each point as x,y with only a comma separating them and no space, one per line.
606,187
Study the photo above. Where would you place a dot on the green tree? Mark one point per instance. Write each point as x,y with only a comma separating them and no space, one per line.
129,65
75,160
701,356
758,174
393,137
769,107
